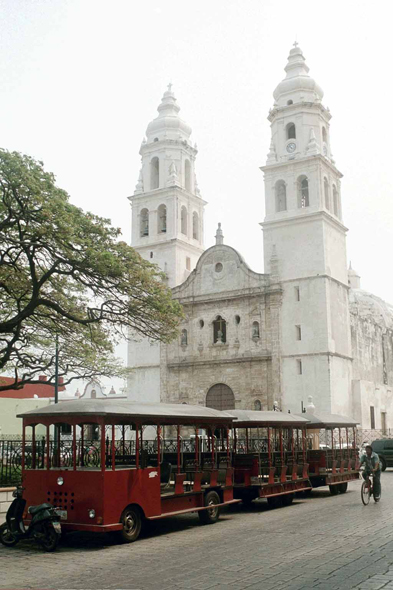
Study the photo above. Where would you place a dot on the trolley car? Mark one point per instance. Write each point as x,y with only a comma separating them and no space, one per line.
332,452
98,469
269,456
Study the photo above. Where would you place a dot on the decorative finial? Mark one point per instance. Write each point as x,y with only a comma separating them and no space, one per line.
313,147
139,186
272,156
296,43
170,87
219,235
173,179
310,408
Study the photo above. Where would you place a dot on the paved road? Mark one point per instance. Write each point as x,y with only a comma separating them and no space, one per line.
323,542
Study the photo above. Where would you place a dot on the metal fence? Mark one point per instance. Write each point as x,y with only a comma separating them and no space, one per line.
11,451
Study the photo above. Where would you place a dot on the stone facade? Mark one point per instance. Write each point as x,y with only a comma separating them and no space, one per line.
223,286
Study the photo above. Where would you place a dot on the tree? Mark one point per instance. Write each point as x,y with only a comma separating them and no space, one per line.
64,273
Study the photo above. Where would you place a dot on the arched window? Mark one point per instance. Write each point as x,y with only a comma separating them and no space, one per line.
183,224
326,191
220,397
195,225
289,102
303,194
183,339
255,330
144,222
257,405
324,135
335,200
281,196
291,131
162,219
187,175
219,330
154,173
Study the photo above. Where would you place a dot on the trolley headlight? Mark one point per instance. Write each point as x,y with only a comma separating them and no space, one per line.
60,481
92,513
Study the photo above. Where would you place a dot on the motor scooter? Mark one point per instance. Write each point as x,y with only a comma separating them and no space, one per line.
44,527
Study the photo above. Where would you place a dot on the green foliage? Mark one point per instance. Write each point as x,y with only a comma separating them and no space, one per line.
65,272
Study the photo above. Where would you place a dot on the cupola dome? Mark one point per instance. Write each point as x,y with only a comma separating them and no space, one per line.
297,86
168,124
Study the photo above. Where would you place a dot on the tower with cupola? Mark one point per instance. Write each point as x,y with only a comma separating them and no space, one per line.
304,234
167,224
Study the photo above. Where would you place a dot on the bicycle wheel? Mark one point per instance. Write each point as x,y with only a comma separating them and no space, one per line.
365,492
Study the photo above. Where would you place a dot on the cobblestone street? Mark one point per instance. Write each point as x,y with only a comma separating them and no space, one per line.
323,542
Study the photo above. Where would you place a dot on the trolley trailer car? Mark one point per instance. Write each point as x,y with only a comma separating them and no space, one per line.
115,481
332,452
269,456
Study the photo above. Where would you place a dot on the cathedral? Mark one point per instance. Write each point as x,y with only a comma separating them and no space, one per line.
261,341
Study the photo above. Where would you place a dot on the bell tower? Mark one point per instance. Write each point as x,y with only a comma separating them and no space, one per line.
167,208
167,224
304,233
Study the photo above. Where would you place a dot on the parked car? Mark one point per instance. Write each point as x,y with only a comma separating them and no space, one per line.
384,449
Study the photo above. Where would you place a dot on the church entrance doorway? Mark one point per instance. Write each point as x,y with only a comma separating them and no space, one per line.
220,397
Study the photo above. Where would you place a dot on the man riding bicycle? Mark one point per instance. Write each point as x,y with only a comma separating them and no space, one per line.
372,465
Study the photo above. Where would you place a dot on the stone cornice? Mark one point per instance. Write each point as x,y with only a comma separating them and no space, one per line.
305,218
322,353
168,191
299,162
299,106
209,362
172,241
152,146
226,295
321,276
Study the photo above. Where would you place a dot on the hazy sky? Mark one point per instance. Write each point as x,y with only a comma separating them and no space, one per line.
81,79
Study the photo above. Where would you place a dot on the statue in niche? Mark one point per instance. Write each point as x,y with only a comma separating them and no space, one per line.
255,330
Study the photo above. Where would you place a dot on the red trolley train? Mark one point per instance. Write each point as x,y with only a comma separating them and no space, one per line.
332,451
97,466
269,456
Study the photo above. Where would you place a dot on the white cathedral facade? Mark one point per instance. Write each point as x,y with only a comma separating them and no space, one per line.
250,340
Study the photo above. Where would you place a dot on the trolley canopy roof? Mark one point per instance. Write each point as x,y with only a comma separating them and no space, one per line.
124,412
325,420
250,418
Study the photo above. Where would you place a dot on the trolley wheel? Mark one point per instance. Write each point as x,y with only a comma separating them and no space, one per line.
342,488
383,463
6,537
287,499
247,500
365,492
334,490
131,519
306,493
275,502
212,514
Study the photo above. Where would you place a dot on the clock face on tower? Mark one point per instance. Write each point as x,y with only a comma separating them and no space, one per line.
291,147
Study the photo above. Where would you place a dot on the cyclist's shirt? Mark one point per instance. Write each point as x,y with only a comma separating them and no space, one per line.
370,462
